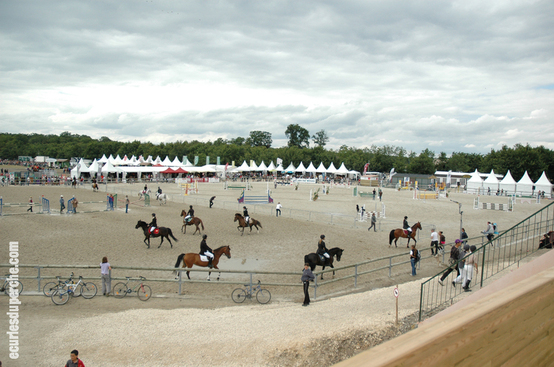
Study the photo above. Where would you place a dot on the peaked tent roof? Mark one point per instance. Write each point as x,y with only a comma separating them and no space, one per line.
158,160
508,179
253,166
243,167
279,168
475,177
321,168
118,160
103,159
342,169
331,168
94,167
290,168
262,167
111,159
300,168
525,180
166,161
176,162
186,162
311,168
82,166
543,180
109,168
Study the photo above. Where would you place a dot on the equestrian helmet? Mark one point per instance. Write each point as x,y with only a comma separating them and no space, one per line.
322,236
204,236
153,214
405,217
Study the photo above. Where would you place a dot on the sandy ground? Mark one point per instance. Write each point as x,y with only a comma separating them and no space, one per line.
203,326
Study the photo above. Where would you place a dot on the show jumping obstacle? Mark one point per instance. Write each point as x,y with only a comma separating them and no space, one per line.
261,199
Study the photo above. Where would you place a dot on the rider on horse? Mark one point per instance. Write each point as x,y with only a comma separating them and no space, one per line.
190,214
159,192
406,226
206,251
245,215
145,189
154,223
321,249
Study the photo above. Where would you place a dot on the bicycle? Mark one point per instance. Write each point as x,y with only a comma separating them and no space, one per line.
121,289
6,286
87,290
51,287
263,296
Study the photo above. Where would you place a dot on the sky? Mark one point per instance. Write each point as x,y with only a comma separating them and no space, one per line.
449,76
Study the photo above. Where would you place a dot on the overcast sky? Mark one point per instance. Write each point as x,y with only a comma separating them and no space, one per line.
465,76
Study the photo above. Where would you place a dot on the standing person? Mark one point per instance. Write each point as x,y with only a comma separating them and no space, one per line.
75,203
278,209
442,240
307,277
62,204
374,194
126,204
145,188
464,236
434,242
245,215
373,222
212,201
74,360
413,259
105,274
461,264
357,208
453,261
380,194
206,251
489,231
30,204
322,249
471,262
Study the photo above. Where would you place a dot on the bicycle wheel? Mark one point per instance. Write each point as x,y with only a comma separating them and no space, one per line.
49,288
120,290
19,287
60,297
239,295
88,290
263,296
75,290
144,292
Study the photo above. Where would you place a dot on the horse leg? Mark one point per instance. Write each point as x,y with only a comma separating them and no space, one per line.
331,265
323,268
183,229
188,274
147,243
169,241
208,279
161,242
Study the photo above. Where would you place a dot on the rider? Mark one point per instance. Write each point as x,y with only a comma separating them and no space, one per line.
206,250
159,192
145,189
245,214
406,226
190,214
321,249
154,223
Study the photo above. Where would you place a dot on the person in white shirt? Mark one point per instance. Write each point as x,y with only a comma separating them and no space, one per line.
434,242
278,209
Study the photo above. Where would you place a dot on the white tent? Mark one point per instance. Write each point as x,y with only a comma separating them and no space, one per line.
508,184
186,162
342,170
103,159
279,168
525,185
94,168
109,168
543,184
311,168
149,159
321,168
243,167
300,168
176,162
491,183
166,162
82,166
111,159
290,168
475,183
157,161
271,167
331,168
118,160
262,167
253,166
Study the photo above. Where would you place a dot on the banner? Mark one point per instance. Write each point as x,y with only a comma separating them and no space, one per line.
196,160
207,159
366,167
218,161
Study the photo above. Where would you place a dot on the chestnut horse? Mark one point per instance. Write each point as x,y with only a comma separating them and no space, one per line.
395,234
193,221
191,258
162,232
243,224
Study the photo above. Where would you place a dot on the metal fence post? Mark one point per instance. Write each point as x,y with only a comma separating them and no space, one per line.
390,267
38,277
315,287
483,268
250,283
180,275
356,276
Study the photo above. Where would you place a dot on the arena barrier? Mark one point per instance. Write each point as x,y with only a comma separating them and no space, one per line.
45,205
1,206
261,199
424,195
507,207
190,188
246,186
146,200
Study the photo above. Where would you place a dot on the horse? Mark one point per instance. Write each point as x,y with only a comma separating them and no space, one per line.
159,232
94,186
162,198
73,184
399,232
314,259
193,221
142,192
243,224
192,258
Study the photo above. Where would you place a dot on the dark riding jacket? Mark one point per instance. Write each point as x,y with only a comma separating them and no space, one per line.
191,212
204,247
245,213
154,222
321,249
405,225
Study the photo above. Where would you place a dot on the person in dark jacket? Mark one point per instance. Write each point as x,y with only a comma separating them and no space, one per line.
154,223
190,214
206,250
307,277
212,201
454,254
322,249
406,226
246,215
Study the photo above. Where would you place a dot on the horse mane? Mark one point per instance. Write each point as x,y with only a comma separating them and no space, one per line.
335,249
240,215
219,248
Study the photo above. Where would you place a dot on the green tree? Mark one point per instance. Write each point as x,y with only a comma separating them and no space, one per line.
320,138
259,139
298,136
423,164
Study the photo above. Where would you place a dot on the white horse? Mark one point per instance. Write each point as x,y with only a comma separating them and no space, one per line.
162,198
142,193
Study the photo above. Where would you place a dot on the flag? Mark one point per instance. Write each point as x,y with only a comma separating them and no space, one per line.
366,167
448,177
279,161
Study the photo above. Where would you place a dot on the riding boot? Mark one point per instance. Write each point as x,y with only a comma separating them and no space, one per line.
210,263
466,288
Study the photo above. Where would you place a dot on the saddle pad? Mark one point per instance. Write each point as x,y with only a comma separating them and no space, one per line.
203,258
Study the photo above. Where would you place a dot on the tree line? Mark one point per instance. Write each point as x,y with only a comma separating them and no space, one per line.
257,147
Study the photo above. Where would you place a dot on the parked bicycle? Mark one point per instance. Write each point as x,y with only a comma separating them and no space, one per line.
122,289
263,296
51,287
6,286
86,289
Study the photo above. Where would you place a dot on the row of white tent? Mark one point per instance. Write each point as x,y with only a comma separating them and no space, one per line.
524,187
134,161
342,170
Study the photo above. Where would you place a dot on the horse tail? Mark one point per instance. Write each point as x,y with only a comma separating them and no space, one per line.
171,234
201,223
306,259
179,259
391,237
260,224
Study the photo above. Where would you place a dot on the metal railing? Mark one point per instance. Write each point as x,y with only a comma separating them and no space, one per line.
507,249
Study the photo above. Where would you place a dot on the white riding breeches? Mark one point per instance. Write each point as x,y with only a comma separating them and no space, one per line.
326,255
209,254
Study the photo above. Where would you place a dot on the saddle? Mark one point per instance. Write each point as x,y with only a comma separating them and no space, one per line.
189,219
407,233
203,258
155,231
322,258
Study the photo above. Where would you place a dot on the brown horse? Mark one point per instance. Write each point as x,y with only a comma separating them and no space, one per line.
395,234
162,232
243,224
192,258
193,221
94,186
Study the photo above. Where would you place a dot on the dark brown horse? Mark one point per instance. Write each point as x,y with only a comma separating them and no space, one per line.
395,234
314,259
159,232
243,224
192,258
193,221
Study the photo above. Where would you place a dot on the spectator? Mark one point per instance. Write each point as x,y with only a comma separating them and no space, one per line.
453,261
434,242
442,240
62,204
307,277
489,231
74,360
374,194
278,209
75,203
464,236
413,259
126,204
461,264
105,273
373,222
30,204
471,262
380,195
212,201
